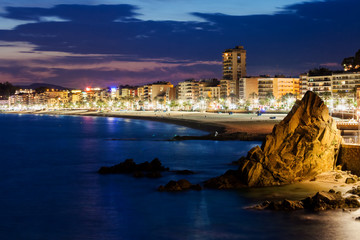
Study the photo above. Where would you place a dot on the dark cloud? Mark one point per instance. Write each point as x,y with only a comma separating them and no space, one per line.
74,13
297,38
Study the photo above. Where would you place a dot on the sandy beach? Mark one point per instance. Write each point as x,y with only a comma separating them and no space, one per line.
211,122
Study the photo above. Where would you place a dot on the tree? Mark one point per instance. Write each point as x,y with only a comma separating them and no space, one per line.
320,71
6,90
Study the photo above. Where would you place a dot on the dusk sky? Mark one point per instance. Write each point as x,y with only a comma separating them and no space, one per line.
110,42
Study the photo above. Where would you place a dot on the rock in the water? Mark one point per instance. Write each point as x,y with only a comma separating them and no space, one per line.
301,146
152,169
230,180
284,205
176,186
319,202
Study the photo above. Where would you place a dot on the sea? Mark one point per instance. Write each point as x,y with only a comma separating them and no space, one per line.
50,188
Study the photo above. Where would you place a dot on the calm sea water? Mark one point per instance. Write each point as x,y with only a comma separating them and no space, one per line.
49,188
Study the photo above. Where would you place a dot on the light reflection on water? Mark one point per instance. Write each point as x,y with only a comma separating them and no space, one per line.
49,187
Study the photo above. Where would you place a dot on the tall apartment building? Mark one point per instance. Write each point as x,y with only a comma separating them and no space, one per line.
188,90
278,87
234,67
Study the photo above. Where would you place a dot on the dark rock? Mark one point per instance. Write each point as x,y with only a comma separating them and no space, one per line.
352,202
319,202
324,201
196,187
331,191
128,166
238,162
149,169
230,180
357,219
176,186
284,205
350,180
355,190
338,176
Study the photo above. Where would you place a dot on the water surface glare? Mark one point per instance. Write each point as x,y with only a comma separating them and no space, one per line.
49,188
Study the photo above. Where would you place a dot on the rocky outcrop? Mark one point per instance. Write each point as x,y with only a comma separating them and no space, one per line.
319,202
177,186
146,169
232,179
301,146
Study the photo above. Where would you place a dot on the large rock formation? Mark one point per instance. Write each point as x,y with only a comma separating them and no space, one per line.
300,147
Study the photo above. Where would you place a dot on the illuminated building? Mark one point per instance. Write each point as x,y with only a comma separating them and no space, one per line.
277,87
188,90
336,85
248,87
234,68
156,91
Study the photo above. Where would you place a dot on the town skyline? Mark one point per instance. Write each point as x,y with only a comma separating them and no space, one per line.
80,45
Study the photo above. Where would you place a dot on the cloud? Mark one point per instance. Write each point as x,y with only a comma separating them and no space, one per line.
100,42
73,12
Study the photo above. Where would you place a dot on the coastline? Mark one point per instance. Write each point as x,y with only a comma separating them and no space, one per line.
237,126
244,127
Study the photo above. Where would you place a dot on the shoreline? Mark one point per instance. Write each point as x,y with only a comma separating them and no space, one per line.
228,127
237,126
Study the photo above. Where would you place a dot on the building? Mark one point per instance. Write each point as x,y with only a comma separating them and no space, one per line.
76,96
278,87
234,67
55,97
336,85
248,87
209,89
345,84
227,88
156,91
188,90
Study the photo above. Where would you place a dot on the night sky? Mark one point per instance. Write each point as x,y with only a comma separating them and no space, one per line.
110,42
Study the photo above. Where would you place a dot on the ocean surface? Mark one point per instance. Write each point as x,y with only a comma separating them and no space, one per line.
50,189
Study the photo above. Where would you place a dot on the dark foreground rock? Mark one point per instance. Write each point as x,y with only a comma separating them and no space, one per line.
319,202
303,145
355,191
232,179
151,169
177,186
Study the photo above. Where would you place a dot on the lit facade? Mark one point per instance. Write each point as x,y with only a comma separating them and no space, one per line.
278,87
336,85
248,87
234,67
188,90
